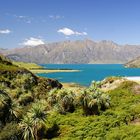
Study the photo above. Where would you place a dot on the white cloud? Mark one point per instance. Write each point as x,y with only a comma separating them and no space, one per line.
20,16
33,42
28,21
56,16
6,31
82,33
25,19
66,31
69,32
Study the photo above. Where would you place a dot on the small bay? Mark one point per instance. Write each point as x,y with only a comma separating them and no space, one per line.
88,72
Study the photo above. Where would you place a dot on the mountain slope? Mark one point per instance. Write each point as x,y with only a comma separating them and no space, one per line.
134,63
81,51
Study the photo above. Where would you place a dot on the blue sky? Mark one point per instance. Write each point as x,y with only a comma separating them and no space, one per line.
33,22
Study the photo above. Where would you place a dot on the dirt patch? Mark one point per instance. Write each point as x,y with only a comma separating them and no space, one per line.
73,87
112,85
136,89
136,121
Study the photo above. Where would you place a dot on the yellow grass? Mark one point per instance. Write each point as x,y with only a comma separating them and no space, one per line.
73,87
28,66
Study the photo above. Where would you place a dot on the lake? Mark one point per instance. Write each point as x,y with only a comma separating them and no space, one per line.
88,73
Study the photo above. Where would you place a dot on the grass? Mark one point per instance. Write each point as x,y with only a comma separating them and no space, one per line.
28,66
4,67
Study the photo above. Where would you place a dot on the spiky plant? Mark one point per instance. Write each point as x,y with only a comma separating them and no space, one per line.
5,102
65,101
93,100
25,99
33,122
94,86
104,101
44,103
27,130
15,111
53,91
84,100
51,100
4,98
38,115
93,107
52,97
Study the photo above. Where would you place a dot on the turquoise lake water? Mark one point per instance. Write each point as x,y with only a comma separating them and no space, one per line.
89,72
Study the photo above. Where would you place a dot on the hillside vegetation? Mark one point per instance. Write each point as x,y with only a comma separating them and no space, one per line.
33,108
29,66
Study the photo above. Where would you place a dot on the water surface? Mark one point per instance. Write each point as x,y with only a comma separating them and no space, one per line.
88,72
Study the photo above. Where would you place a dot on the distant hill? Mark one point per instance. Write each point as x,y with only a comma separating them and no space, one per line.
80,51
2,51
134,63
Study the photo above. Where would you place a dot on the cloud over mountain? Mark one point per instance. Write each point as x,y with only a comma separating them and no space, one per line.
33,42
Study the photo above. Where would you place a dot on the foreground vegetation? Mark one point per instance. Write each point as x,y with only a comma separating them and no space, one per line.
32,108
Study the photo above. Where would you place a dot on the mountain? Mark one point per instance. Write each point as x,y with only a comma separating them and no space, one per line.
80,51
134,63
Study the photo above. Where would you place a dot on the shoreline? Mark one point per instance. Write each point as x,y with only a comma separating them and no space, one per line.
133,78
36,71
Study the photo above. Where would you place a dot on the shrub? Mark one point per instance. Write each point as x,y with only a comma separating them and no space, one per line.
62,100
10,132
93,100
25,99
5,102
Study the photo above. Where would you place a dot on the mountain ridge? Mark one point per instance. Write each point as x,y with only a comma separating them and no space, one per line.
79,51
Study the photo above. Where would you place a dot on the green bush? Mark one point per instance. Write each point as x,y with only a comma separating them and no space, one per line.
25,99
5,102
10,132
